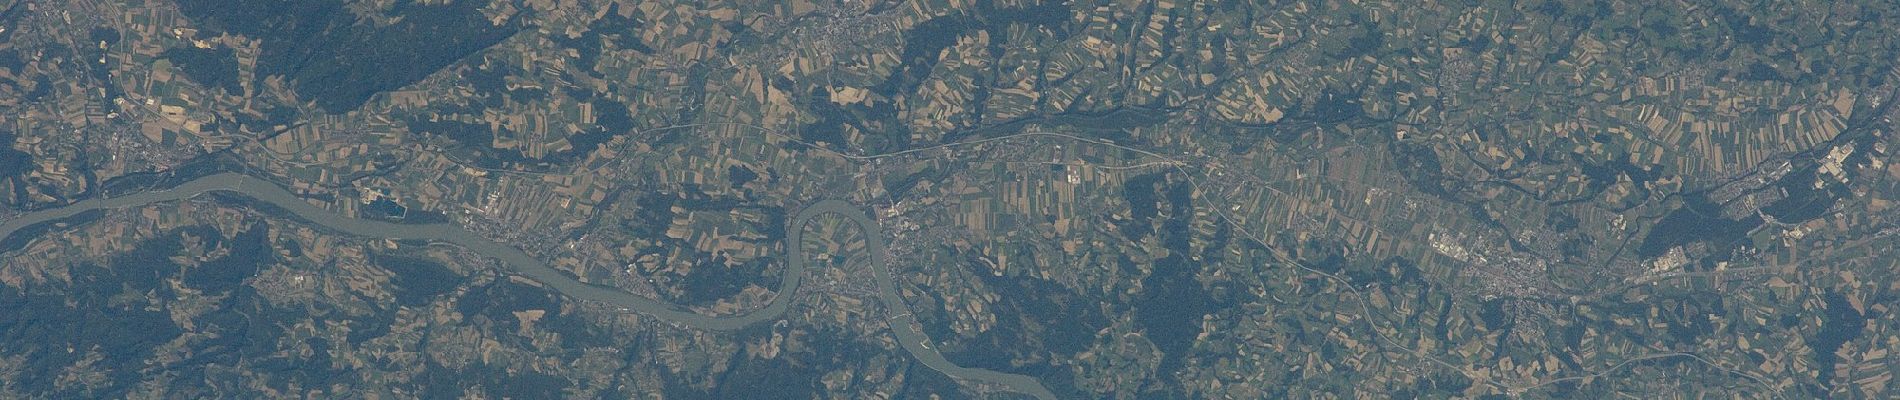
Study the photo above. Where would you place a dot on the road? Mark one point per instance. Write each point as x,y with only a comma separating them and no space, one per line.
909,333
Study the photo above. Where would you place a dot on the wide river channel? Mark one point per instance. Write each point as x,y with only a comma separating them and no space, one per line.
909,333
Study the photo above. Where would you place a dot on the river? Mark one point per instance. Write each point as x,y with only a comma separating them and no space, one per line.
903,323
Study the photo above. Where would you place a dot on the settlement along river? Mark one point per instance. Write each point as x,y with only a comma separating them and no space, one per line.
909,333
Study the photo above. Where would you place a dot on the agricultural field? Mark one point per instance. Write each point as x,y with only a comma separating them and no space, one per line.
945,199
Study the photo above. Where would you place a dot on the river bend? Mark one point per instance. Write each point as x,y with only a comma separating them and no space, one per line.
903,323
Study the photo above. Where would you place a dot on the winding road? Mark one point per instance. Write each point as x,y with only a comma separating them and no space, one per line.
909,333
